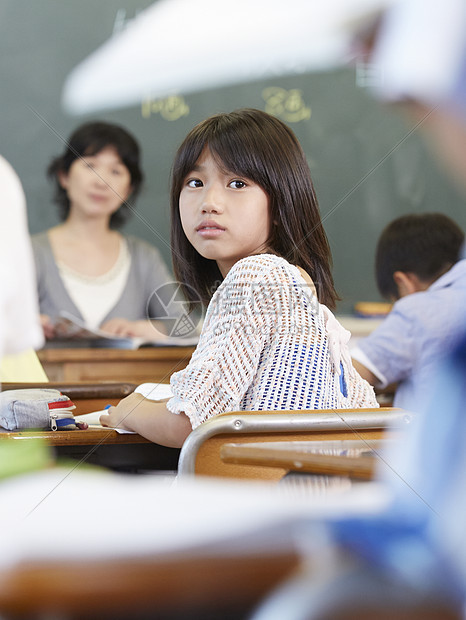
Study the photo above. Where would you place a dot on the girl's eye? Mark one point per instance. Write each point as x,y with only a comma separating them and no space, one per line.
237,184
116,172
194,183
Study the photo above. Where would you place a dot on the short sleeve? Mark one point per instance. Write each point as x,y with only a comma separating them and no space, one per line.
391,347
238,322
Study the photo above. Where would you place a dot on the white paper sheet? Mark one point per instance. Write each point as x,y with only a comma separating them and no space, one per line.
103,515
152,391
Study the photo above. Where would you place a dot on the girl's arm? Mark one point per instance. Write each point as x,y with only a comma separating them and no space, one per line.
150,419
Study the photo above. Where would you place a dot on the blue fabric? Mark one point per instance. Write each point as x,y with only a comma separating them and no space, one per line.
419,331
65,422
343,386
422,538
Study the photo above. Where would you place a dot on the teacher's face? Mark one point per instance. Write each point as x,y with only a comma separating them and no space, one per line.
97,184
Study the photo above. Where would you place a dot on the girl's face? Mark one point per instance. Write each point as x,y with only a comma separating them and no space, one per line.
97,184
225,217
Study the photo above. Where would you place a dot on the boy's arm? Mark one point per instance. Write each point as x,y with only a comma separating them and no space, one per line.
388,354
366,373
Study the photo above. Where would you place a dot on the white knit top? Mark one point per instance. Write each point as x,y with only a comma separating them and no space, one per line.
95,296
267,343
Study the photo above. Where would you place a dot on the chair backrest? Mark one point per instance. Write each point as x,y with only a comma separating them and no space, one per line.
200,454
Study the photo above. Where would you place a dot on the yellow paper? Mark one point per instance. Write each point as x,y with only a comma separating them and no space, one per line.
22,368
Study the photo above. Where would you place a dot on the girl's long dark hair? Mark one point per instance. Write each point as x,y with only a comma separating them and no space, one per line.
260,147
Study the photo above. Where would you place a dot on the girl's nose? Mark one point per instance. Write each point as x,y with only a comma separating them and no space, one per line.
210,208
212,202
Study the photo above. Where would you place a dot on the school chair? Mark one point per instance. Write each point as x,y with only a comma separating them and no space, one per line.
353,459
201,452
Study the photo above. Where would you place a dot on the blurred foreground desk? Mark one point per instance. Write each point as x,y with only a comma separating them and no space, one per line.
148,364
105,447
180,587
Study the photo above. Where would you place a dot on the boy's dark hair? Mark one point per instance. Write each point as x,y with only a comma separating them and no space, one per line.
90,139
426,244
260,147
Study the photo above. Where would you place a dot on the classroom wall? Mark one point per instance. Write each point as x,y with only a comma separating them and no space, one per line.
367,163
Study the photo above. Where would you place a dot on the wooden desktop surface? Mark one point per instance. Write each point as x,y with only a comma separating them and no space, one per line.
148,364
97,445
93,436
104,447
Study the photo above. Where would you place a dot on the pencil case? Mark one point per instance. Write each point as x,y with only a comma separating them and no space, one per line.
36,408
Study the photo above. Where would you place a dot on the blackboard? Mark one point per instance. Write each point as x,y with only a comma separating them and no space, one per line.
367,164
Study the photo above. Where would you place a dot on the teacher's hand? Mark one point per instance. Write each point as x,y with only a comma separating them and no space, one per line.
47,326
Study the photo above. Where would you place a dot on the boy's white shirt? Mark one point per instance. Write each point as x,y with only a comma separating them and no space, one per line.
361,357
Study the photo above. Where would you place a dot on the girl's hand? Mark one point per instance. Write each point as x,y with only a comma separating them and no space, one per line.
150,419
47,326
120,416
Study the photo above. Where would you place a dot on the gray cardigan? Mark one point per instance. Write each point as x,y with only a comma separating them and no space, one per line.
139,300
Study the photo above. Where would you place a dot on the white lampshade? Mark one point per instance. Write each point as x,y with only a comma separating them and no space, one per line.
191,45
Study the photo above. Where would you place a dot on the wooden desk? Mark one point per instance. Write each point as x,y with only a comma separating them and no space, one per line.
86,396
168,588
93,436
148,364
303,456
104,447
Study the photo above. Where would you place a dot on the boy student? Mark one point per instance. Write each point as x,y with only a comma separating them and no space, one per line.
418,266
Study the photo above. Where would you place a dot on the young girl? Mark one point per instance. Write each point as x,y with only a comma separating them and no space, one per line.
84,265
248,240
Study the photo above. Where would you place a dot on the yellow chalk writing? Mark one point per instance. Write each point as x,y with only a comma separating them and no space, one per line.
171,108
287,104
